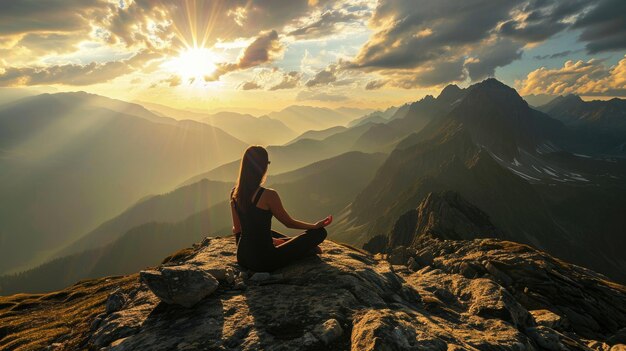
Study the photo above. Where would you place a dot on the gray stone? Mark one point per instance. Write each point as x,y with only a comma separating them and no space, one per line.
115,301
184,285
328,331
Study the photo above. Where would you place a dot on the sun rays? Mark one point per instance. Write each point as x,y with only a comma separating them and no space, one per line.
193,64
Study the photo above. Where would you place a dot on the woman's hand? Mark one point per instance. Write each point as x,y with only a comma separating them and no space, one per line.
324,222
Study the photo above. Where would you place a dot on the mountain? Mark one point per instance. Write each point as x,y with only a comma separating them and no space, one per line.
253,130
597,128
537,100
375,117
318,134
250,129
305,118
507,159
11,94
368,137
480,294
295,155
170,207
572,110
144,233
69,161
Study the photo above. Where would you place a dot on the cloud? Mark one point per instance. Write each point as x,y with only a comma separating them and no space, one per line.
324,77
604,27
541,19
560,54
488,57
425,37
172,81
72,74
326,24
42,43
52,27
305,95
263,49
290,80
250,86
17,17
591,78
69,74
375,84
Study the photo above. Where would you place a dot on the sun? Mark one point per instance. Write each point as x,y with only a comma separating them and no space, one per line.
193,64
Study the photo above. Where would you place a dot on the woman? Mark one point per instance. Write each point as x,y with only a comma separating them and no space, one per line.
252,209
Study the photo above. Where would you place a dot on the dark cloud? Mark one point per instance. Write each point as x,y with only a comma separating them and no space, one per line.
290,80
420,36
544,18
325,25
262,50
24,16
488,57
48,43
604,27
375,84
561,54
250,86
438,73
324,77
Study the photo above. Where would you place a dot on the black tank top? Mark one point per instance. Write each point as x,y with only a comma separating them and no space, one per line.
256,227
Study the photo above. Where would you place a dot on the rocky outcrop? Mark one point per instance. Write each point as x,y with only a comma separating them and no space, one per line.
184,285
455,295
443,215
464,298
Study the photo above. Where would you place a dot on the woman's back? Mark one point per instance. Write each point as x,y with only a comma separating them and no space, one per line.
256,227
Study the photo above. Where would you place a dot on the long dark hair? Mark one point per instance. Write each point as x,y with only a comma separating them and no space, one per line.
251,173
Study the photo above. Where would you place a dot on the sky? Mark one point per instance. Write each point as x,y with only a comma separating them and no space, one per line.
262,55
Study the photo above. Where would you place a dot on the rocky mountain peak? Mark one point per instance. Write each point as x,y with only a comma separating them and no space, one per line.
450,295
450,94
493,92
442,216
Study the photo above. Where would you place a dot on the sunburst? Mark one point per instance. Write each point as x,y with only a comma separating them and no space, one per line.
193,64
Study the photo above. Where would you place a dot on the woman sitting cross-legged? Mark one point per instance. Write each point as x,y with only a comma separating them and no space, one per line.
258,247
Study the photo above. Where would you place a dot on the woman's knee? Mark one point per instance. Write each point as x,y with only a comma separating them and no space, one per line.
319,233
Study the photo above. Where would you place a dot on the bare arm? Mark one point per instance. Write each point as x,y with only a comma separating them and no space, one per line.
236,224
276,206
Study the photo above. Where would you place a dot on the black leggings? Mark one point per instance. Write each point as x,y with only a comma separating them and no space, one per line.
294,249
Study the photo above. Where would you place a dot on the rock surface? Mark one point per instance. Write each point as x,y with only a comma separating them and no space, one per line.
348,299
184,285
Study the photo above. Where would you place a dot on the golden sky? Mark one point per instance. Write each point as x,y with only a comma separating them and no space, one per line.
268,54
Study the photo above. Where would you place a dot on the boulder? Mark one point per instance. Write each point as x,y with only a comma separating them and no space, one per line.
183,285
328,331
115,301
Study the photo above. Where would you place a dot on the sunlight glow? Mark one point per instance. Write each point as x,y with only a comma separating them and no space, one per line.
193,64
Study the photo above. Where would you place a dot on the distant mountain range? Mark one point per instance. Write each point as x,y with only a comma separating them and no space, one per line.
275,128
69,161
